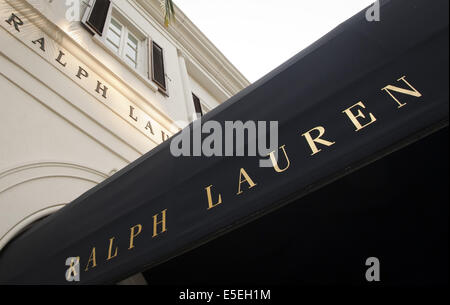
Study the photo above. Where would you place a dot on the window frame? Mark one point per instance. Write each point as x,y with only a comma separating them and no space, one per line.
108,41
199,101
127,29
162,88
145,59
137,50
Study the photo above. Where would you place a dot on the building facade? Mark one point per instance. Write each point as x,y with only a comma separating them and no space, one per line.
88,87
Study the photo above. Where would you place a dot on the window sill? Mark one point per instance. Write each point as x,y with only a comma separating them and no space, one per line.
141,77
163,92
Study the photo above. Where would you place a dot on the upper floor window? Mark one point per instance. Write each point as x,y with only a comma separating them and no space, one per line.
127,41
200,108
158,71
123,42
96,17
197,105
114,35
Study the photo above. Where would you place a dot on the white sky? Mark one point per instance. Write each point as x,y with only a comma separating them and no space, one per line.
259,35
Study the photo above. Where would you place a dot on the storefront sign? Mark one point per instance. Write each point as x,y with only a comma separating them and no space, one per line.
362,91
34,38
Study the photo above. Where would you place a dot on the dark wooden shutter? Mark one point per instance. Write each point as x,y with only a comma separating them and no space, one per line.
197,105
98,15
158,74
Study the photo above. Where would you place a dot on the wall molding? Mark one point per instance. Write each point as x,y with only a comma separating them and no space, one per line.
26,173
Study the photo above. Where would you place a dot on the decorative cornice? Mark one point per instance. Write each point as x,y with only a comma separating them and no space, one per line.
199,47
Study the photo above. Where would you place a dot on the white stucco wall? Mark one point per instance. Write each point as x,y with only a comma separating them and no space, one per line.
206,98
58,137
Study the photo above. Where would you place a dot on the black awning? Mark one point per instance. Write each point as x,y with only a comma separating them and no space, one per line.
369,87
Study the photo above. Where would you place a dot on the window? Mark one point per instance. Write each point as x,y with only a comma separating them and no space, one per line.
123,42
114,35
127,41
158,73
197,105
131,50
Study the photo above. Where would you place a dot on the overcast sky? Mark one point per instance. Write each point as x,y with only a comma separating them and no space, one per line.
259,35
